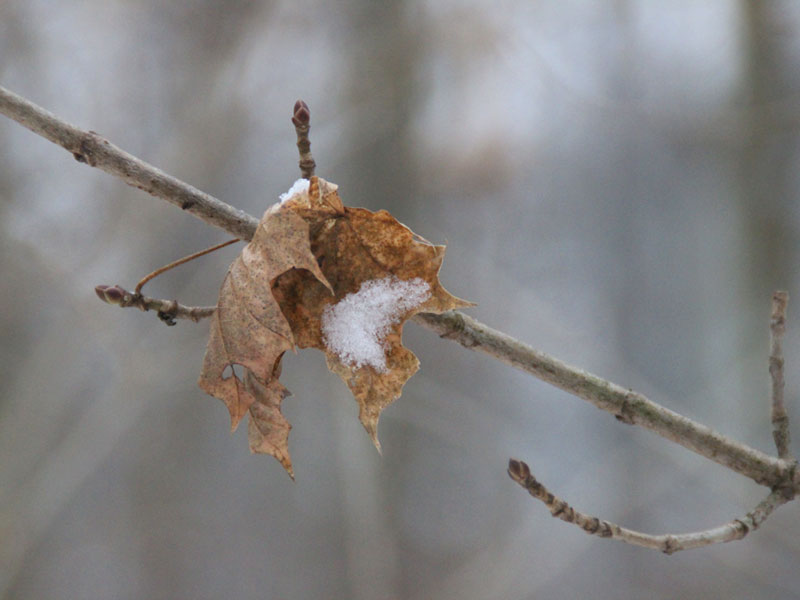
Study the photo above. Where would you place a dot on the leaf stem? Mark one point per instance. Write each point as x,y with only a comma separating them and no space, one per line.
179,262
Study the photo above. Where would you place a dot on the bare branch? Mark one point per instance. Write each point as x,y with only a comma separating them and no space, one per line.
780,420
90,148
668,543
168,310
628,406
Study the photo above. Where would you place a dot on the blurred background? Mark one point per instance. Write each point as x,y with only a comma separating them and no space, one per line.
617,185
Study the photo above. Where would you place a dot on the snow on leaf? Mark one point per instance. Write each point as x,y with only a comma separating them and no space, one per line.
320,275
298,187
355,328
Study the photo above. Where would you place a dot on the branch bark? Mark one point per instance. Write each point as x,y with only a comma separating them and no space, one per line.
90,148
627,405
733,530
780,420
168,310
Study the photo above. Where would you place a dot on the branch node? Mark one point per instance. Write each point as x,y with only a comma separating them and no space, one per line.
669,545
85,153
626,414
787,487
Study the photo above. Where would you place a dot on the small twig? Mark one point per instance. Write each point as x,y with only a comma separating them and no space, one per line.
669,543
168,310
302,124
780,420
177,263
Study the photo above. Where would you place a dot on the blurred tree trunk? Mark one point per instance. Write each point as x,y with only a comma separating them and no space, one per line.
383,89
763,172
764,159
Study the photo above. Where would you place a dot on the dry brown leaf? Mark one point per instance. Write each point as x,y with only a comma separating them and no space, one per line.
309,253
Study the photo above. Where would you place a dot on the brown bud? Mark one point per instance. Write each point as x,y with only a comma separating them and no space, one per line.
518,469
298,105
302,114
100,290
114,294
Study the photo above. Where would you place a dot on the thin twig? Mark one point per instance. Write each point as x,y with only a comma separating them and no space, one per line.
628,406
168,310
668,543
780,420
301,119
177,263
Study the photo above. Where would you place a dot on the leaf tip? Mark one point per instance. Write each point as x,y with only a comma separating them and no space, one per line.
234,422
372,431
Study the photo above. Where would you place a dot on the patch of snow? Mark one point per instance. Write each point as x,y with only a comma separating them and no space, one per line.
355,328
298,187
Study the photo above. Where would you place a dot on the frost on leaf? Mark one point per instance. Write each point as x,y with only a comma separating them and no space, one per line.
320,275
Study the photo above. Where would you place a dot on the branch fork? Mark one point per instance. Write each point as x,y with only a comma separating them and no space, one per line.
782,491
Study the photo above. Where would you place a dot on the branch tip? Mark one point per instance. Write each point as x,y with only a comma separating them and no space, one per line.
670,543
302,123
112,294
518,470
302,114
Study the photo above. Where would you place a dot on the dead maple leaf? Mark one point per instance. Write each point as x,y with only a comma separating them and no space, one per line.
318,274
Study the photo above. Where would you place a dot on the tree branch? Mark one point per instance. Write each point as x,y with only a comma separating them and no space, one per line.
626,405
780,420
90,148
669,543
